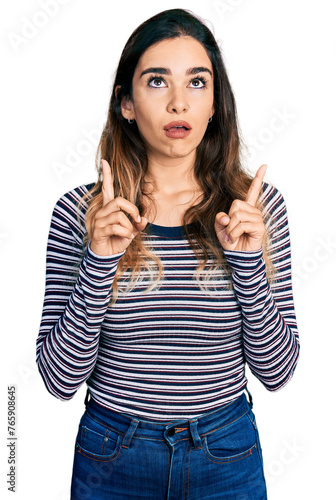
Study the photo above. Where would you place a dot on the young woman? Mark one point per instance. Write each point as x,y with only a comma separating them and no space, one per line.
163,279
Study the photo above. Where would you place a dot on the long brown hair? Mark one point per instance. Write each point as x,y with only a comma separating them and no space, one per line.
217,167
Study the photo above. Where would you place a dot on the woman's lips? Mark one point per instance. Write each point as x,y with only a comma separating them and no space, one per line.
177,129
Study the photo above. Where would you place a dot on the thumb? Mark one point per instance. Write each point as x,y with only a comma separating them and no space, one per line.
140,226
221,221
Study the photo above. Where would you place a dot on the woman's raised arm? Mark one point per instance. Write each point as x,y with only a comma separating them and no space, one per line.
77,294
270,335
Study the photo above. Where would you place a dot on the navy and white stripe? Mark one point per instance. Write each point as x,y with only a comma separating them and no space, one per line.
177,351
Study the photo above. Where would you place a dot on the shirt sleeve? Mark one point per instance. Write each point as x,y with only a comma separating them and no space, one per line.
77,294
270,334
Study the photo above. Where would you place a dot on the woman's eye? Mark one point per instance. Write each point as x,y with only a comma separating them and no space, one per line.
156,82
197,83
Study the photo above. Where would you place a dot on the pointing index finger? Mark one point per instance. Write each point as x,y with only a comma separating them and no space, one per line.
107,188
254,190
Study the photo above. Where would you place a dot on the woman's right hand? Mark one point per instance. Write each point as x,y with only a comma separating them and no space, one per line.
113,231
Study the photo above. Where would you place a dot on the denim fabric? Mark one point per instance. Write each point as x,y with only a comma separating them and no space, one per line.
216,456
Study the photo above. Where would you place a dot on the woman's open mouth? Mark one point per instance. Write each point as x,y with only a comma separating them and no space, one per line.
177,130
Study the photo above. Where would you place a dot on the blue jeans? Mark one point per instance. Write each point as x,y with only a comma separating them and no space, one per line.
216,456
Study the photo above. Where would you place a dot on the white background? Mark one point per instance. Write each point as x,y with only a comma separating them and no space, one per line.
56,84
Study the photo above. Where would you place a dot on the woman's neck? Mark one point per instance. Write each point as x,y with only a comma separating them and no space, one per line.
173,189
171,177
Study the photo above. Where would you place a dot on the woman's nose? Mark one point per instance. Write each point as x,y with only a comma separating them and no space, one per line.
178,102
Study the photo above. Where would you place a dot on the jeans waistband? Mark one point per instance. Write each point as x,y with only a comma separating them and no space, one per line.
172,430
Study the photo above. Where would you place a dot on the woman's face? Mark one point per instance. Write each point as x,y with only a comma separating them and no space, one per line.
173,98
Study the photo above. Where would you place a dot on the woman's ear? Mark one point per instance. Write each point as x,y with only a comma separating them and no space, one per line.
127,108
116,90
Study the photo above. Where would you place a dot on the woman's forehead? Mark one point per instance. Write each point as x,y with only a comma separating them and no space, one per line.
173,54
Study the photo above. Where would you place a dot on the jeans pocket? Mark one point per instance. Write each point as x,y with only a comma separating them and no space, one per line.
96,441
231,442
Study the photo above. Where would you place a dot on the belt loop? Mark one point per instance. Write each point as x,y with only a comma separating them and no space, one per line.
86,400
250,397
194,434
129,434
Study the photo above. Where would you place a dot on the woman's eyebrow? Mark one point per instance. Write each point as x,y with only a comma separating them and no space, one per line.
199,69
166,71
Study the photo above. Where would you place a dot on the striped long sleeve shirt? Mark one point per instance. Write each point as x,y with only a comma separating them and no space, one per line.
178,350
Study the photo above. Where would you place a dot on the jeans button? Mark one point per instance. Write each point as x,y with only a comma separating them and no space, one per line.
171,432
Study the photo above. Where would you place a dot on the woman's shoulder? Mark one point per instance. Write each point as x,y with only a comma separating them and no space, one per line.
271,199
76,198
70,209
273,205
76,194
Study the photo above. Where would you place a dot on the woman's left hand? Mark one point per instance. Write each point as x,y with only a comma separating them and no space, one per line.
243,227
